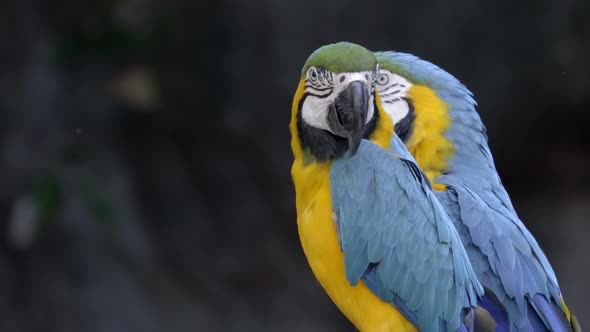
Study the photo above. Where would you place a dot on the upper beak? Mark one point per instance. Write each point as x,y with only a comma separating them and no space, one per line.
347,117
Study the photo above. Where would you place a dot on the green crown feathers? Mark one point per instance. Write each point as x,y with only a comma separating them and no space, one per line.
341,58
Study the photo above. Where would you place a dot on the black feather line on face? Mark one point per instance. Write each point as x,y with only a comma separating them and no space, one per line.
324,145
405,126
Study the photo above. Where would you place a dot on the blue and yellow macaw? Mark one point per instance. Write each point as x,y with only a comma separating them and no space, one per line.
374,234
394,252
434,115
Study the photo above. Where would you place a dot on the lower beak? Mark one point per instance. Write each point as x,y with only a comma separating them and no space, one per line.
348,114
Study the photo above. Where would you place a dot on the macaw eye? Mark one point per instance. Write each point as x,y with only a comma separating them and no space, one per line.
383,79
312,74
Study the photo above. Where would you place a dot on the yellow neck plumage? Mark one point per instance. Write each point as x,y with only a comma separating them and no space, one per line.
427,143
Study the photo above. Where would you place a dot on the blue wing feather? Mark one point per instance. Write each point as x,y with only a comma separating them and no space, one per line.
397,238
510,262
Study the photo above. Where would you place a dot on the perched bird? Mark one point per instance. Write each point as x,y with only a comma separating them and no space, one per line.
434,115
373,232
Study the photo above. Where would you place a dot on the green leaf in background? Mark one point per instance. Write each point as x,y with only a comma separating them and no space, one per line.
48,197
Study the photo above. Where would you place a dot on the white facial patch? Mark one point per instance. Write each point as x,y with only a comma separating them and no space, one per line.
323,87
392,90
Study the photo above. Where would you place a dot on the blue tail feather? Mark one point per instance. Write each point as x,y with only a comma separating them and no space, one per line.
542,314
549,313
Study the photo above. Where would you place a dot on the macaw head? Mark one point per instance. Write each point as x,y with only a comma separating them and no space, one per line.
430,109
334,106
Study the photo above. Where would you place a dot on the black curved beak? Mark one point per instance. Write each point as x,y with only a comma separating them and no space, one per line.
347,117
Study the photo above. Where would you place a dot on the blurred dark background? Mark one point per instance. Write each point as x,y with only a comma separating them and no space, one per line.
145,158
